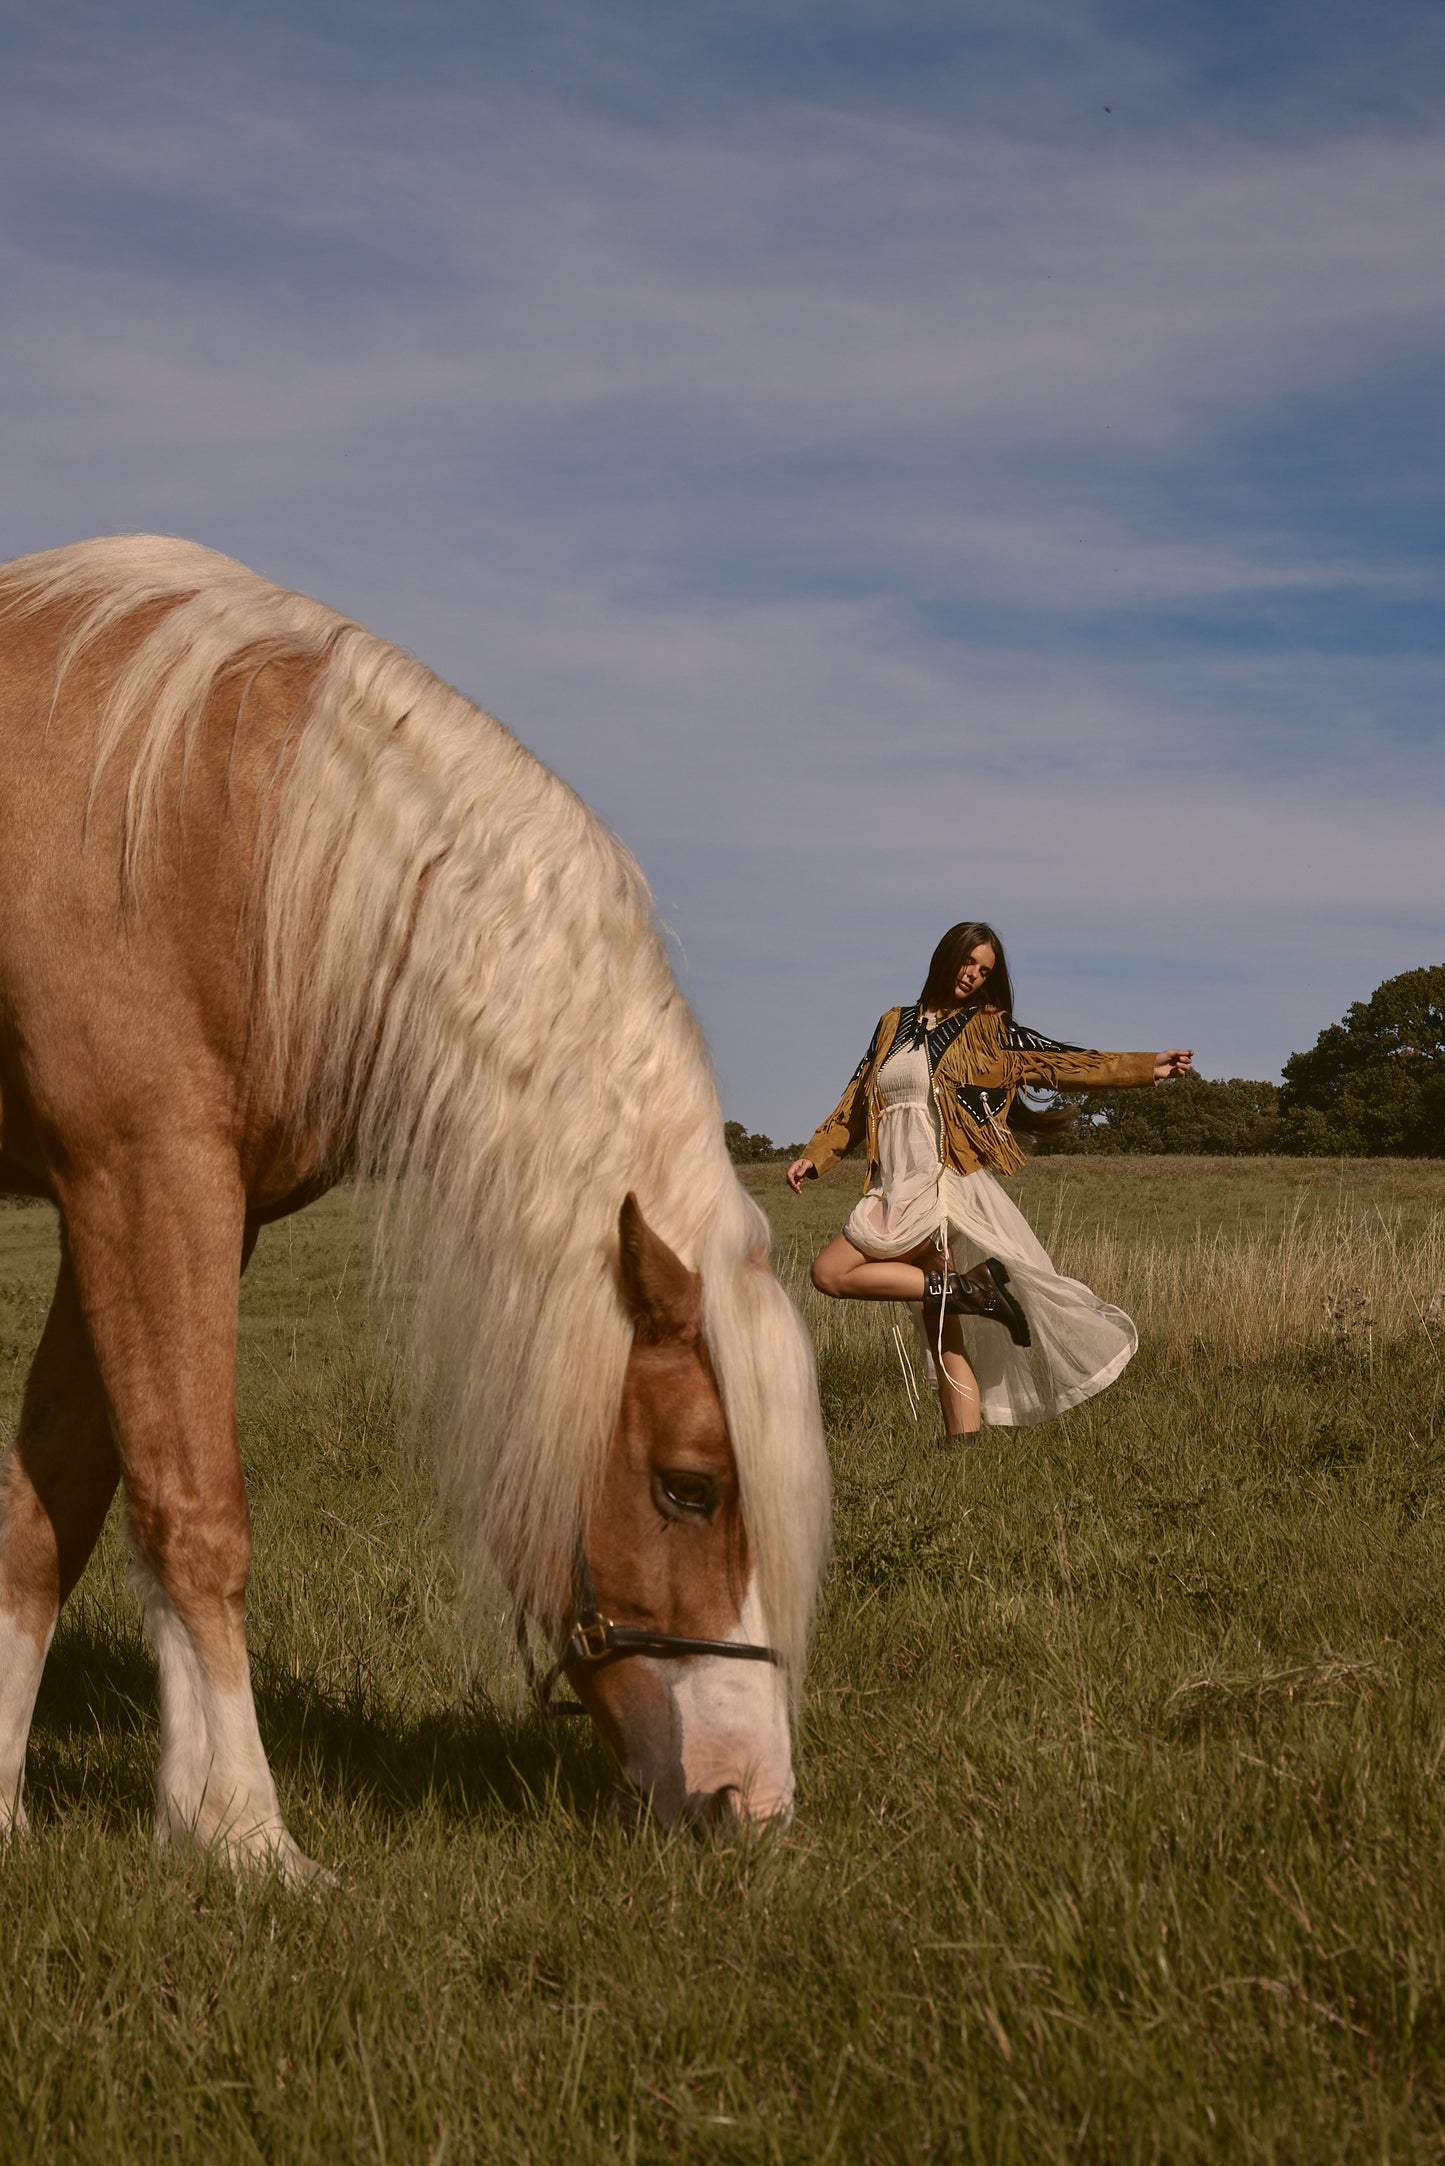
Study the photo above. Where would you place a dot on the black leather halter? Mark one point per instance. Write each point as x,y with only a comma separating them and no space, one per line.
594,1641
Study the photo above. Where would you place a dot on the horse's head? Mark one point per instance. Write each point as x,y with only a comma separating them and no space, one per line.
699,1734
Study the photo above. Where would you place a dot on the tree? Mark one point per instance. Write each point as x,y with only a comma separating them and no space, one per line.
1373,1085
754,1150
1234,1119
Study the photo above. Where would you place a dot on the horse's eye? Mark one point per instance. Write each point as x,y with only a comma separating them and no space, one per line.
696,1494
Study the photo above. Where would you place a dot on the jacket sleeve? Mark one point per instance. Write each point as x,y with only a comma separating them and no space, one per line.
1029,1058
849,1117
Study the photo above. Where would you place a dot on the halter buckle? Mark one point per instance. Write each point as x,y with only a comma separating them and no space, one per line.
592,1637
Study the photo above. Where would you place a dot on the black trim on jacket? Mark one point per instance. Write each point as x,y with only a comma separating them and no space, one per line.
910,1031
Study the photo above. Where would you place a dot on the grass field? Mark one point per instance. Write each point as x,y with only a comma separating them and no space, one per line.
1120,1830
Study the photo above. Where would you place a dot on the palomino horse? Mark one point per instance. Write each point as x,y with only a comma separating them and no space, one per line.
276,904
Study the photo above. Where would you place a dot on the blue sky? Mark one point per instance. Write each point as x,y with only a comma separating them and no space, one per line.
900,462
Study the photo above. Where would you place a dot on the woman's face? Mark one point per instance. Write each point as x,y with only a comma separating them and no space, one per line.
975,973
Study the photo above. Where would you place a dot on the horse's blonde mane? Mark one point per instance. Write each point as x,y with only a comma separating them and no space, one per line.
459,973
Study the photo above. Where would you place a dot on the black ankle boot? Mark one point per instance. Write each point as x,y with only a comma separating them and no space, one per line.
937,1284
980,1292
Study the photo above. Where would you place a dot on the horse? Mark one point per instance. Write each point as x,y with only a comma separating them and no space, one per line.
278,907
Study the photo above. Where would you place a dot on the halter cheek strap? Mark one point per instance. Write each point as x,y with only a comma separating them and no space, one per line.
594,1642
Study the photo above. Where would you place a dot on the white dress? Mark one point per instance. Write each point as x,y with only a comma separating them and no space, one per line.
1080,1343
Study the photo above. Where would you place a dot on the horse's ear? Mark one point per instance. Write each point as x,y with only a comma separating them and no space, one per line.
664,1296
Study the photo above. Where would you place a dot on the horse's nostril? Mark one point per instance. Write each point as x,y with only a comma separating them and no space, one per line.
720,1808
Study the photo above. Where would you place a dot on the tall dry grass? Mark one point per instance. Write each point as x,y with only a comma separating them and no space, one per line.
1206,1300
1226,1295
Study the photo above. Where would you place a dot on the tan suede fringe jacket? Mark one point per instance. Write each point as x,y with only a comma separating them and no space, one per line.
979,1057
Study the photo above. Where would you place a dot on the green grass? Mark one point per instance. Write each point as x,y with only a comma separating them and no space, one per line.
1120,1831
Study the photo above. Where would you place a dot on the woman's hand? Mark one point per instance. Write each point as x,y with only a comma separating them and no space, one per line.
1175,1062
802,1169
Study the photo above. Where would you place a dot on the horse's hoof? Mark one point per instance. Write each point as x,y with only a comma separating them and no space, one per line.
263,1852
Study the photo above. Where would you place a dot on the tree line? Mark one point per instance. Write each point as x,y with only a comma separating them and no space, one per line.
1371,1086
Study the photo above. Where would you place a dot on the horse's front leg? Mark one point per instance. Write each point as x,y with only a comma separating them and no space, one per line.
55,1488
157,1244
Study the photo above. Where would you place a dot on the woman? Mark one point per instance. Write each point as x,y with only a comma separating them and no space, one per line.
935,1097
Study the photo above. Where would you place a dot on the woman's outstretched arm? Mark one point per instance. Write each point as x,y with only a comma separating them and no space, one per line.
1026,1057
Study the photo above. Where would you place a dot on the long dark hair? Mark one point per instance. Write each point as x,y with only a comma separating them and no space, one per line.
948,958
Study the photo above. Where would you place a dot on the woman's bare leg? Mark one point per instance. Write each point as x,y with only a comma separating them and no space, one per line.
957,1384
847,1274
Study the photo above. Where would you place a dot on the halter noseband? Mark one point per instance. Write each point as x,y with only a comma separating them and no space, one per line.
594,1641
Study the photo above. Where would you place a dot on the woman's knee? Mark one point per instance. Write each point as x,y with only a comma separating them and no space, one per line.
826,1274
